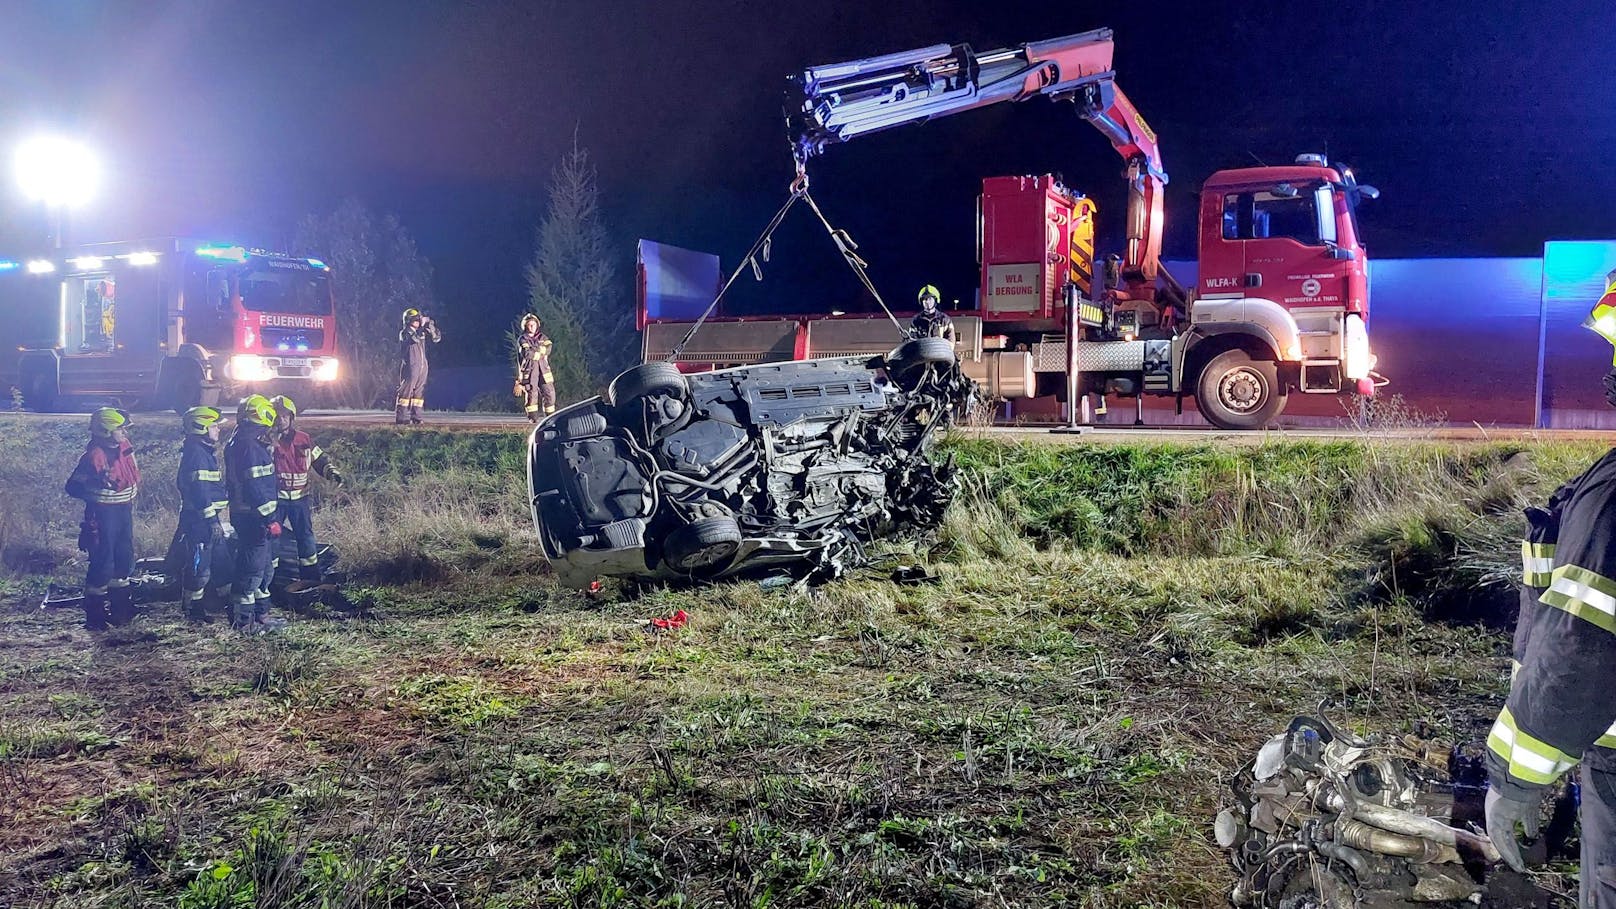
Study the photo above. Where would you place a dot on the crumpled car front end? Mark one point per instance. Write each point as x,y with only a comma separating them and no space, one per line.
798,466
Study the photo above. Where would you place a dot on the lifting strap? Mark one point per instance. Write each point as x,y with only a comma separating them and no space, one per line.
844,244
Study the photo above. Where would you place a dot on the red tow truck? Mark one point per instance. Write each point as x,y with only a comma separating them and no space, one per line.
162,323
1280,304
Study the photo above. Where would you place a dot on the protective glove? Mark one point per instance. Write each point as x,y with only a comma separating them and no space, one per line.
274,530
518,390
227,529
1502,814
334,475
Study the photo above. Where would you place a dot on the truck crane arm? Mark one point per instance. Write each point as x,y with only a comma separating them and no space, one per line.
842,101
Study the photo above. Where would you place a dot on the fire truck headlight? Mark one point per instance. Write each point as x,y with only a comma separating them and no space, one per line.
1358,360
250,368
143,258
326,371
41,267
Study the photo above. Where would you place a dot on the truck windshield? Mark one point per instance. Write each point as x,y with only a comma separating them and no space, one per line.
304,293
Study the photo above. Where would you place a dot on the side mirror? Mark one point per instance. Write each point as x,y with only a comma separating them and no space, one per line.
1368,192
1284,191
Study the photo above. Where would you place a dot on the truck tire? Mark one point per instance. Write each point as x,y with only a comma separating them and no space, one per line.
704,547
39,391
185,392
646,380
1235,391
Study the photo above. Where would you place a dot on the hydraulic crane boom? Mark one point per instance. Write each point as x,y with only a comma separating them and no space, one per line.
841,101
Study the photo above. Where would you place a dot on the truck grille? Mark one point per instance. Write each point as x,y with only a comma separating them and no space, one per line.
292,340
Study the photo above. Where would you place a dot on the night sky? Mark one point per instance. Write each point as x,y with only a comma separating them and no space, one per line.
1488,126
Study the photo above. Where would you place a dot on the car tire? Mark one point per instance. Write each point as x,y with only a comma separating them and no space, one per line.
921,352
582,426
705,546
1235,391
646,380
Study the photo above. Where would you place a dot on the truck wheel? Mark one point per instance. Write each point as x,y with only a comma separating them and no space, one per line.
1237,392
186,392
39,391
705,546
645,380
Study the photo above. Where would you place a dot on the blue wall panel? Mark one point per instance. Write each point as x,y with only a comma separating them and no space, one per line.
1575,359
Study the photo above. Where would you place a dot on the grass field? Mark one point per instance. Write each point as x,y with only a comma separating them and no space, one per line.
1052,721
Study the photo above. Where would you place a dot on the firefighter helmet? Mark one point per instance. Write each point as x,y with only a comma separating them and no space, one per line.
929,290
531,317
107,420
1602,321
284,405
257,410
411,313
198,420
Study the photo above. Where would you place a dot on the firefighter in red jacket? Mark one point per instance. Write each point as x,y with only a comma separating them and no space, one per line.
106,480
295,456
1561,709
535,380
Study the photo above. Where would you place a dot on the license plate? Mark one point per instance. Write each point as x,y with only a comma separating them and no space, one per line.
295,361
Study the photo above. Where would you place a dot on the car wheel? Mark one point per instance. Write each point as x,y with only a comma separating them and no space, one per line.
646,380
1238,392
921,352
705,546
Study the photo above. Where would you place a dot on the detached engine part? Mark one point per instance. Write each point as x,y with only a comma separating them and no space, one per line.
1324,820
797,465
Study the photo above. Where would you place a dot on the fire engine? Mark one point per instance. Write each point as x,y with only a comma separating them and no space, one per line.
1280,303
162,323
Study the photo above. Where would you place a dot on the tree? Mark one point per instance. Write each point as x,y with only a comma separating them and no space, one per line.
376,274
571,284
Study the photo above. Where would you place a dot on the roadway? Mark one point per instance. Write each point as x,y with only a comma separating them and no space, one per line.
460,421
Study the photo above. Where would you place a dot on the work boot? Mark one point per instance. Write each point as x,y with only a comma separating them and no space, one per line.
196,611
122,606
95,613
400,415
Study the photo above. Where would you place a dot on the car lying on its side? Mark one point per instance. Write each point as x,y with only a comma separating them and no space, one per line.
794,465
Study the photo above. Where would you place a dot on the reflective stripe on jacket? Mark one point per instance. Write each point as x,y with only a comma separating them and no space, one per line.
1562,700
249,473
105,475
295,454
200,481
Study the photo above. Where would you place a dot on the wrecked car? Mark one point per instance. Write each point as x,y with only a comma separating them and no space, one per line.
796,466
1323,819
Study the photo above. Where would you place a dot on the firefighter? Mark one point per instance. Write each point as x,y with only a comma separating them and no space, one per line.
295,455
250,484
535,381
106,479
1562,700
418,329
204,519
931,322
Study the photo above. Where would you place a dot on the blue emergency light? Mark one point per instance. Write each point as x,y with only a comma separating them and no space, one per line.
223,253
9,265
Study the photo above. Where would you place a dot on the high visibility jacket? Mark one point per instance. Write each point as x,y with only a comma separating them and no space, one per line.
1562,701
412,347
295,454
534,367
105,475
249,476
200,481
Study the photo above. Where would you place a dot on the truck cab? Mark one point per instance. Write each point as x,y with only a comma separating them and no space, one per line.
1283,274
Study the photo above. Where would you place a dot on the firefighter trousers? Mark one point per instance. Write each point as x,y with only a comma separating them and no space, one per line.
250,595
411,389
541,399
297,519
1598,816
111,549
196,547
